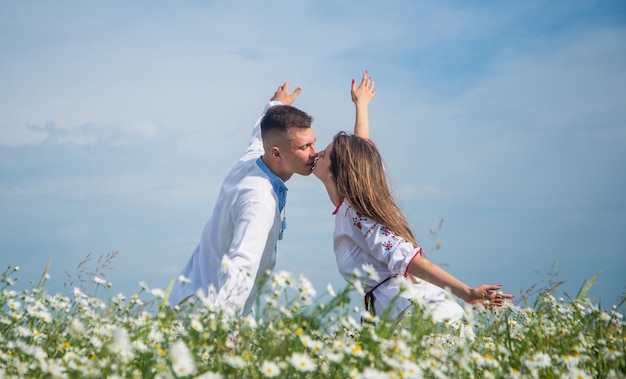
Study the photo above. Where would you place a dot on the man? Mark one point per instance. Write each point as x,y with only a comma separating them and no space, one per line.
238,243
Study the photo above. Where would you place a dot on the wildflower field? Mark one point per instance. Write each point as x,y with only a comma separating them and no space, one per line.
296,333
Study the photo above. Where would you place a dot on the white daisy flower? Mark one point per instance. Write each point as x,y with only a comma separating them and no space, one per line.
539,360
196,324
235,361
183,279
210,375
227,263
358,287
331,290
282,279
306,287
78,292
158,293
302,362
120,344
270,369
370,272
182,361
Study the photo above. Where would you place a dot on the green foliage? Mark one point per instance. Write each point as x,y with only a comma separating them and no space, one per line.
295,334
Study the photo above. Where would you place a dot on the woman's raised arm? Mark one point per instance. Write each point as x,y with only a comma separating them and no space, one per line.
361,97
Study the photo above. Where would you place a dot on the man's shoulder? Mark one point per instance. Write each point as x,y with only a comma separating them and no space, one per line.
248,178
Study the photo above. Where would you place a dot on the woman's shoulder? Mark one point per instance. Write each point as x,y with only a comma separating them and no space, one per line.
345,209
356,220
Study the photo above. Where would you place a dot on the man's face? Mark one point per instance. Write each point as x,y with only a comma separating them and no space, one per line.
322,165
299,151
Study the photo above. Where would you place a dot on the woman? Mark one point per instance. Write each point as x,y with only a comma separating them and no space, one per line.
371,231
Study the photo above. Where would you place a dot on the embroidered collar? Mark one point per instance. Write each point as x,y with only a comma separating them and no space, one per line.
337,209
279,186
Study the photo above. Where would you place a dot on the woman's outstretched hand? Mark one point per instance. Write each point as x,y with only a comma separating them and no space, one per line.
489,295
365,92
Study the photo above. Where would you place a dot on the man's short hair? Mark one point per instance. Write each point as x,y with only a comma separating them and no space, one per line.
279,118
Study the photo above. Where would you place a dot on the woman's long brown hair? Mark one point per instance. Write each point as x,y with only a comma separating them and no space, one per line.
357,167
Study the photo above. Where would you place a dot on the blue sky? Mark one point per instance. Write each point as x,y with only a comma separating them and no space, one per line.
119,120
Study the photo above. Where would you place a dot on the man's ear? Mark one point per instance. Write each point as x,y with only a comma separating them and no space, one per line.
276,153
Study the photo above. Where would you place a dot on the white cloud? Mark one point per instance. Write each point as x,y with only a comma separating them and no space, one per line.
84,135
529,107
126,190
16,135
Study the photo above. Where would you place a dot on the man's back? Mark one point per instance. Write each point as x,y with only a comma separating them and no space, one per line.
238,242
244,227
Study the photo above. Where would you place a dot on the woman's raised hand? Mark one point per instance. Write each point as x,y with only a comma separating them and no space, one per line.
365,92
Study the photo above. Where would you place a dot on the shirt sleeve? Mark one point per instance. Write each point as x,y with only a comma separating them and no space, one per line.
380,242
253,223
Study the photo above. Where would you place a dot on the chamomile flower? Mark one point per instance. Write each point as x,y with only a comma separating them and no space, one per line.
158,293
281,279
14,305
370,272
181,359
358,287
331,290
235,361
302,362
538,360
576,373
227,263
307,291
270,369
144,286
210,375
184,279
196,324
411,370
372,373
120,344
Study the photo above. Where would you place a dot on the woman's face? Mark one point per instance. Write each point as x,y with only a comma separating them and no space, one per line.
322,166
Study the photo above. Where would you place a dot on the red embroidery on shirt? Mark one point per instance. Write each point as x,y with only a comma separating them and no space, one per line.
391,237
357,221
417,252
385,231
337,209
